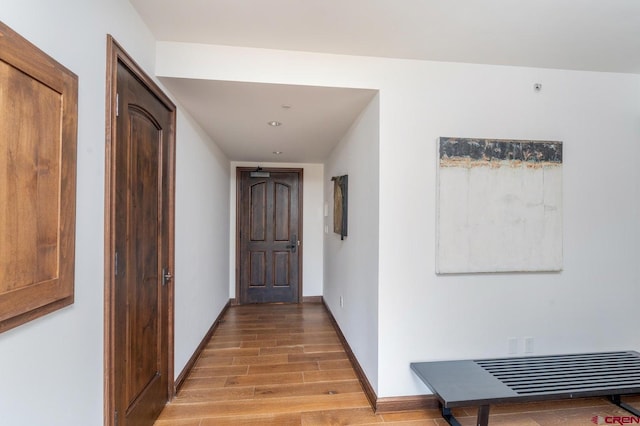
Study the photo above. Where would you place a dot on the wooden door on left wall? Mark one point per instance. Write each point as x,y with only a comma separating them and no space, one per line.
142,240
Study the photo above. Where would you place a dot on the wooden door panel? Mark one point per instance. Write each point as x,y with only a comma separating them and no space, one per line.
269,226
282,206
144,351
142,287
258,272
258,215
38,106
281,262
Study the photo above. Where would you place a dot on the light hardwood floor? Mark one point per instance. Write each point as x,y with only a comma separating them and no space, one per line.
284,365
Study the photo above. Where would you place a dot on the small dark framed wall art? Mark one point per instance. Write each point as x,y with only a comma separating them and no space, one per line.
340,198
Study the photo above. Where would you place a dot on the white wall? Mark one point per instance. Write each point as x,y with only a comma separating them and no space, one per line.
52,368
422,316
351,264
202,232
312,213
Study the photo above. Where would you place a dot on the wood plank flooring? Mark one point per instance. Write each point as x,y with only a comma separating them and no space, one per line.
284,365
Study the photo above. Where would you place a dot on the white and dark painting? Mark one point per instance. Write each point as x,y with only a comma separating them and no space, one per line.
499,206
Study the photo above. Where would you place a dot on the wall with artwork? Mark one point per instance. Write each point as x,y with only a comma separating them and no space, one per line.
422,315
560,307
351,255
419,314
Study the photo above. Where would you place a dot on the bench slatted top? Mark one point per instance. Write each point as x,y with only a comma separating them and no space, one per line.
489,381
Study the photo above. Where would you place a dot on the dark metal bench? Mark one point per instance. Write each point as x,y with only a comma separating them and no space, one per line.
535,378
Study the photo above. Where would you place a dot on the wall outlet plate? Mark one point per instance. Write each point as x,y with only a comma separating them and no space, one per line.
528,345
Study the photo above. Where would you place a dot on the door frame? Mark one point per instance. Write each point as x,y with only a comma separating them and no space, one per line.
116,54
300,172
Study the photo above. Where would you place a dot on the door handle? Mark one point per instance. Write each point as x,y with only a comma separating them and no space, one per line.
294,244
166,276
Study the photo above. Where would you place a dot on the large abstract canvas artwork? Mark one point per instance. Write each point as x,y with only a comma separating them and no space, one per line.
499,206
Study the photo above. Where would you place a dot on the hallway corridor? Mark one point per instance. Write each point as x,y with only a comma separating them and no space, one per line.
274,365
284,365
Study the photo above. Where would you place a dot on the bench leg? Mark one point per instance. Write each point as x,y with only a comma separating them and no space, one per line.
618,401
483,416
448,416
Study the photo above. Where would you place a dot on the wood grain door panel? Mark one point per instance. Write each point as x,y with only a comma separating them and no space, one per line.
142,281
139,247
269,217
139,292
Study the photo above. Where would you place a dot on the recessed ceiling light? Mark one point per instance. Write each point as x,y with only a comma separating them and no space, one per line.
277,152
274,123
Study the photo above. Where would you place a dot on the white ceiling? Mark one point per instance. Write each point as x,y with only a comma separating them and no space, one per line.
595,35
236,114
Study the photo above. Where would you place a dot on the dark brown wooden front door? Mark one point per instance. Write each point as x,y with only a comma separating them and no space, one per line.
142,235
269,218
